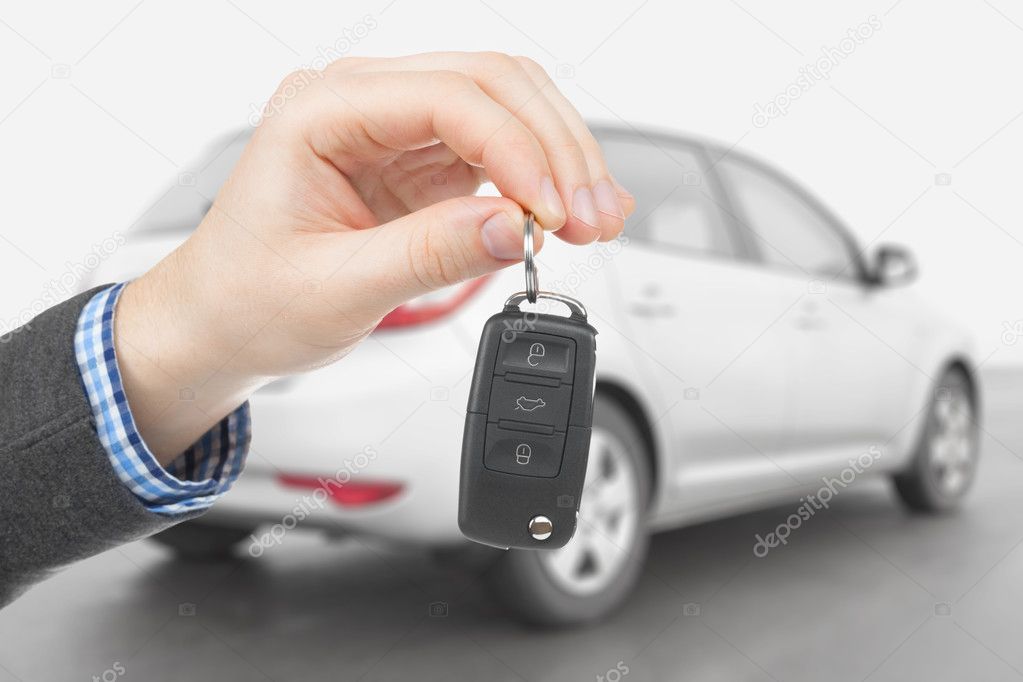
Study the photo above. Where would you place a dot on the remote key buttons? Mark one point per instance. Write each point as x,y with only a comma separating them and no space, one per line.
538,354
525,454
530,403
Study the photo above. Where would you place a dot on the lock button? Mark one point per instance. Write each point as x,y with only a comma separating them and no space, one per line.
541,354
525,454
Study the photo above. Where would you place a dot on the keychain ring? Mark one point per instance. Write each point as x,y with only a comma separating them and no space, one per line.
532,280
577,309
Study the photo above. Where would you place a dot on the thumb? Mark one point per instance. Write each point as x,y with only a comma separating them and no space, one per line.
445,243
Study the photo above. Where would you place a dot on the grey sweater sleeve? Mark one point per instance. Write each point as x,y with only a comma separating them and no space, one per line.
60,500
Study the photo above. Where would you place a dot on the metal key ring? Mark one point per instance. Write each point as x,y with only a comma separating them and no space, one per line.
532,280
577,309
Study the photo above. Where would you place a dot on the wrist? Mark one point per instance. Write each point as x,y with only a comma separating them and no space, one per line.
178,370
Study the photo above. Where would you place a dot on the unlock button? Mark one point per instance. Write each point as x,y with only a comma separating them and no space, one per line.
526,454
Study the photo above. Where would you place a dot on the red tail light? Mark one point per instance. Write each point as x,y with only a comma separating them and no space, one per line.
350,494
433,306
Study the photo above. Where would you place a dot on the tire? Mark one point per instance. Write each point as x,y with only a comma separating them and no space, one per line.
945,463
594,573
201,540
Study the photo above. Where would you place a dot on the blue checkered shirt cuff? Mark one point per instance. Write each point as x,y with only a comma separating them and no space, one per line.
197,477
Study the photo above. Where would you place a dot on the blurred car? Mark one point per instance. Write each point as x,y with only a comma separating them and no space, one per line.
749,352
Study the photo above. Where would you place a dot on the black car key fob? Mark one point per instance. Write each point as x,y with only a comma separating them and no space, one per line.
527,427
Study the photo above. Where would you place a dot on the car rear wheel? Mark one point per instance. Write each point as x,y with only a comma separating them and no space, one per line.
202,540
597,569
945,463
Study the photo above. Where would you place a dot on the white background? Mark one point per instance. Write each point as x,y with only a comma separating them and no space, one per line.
102,106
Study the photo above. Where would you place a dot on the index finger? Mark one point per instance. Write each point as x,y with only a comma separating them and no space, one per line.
360,116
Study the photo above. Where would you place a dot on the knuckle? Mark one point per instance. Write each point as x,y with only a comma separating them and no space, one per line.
533,68
494,57
452,81
296,81
497,65
346,64
293,87
434,264
512,141
565,145
566,150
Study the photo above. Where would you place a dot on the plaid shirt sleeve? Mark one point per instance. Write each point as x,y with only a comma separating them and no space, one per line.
199,475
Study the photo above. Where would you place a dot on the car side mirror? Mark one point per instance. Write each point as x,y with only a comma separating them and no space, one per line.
893,266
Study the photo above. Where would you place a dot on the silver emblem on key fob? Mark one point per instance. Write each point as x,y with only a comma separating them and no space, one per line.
527,426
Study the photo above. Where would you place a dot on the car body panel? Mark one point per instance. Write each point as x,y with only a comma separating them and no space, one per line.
785,383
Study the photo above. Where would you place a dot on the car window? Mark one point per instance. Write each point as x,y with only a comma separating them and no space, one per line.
674,204
788,230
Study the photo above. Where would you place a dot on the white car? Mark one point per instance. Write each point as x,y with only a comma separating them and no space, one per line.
749,353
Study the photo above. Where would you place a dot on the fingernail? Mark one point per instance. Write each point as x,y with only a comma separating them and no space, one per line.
551,200
584,207
501,238
607,200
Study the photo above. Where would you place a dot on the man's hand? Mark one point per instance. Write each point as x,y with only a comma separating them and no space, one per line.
352,199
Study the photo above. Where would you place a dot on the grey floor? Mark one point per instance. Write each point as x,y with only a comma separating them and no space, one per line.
862,591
